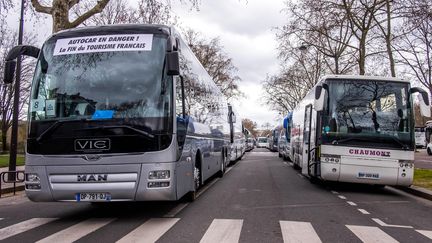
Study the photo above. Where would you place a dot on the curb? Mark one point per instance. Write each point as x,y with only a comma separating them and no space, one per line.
11,189
417,191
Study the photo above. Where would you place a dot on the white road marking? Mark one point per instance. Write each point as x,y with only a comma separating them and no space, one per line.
285,163
351,203
223,230
342,197
334,192
426,233
150,231
173,212
300,175
299,232
380,222
77,231
23,226
363,211
369,234
1,218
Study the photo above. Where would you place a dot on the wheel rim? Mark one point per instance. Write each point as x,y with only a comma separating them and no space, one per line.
197,178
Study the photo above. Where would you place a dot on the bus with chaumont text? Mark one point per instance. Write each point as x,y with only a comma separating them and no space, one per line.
357,129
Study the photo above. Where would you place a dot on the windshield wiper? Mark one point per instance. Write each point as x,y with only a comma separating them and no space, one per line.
404,146
53,127
141,132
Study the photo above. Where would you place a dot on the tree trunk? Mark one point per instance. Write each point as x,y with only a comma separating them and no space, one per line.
60,15
388,41
362,55
4,141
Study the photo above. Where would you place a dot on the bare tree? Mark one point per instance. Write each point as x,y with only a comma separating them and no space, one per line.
59,11
285,90
361,15
217,63
5,5
321,25
415,47
8,39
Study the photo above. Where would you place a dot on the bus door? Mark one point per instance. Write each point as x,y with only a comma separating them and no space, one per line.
309,144
306,139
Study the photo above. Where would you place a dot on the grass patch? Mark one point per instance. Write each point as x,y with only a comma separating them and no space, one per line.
423,178
4,160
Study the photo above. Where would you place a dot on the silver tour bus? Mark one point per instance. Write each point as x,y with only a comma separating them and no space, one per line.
121,113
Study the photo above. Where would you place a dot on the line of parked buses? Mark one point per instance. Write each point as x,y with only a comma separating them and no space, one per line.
148,123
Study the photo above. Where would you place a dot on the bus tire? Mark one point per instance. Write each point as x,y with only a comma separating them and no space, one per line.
197,179
429,151
280,155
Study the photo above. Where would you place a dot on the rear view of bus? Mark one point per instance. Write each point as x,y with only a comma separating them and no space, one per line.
107,123
359,129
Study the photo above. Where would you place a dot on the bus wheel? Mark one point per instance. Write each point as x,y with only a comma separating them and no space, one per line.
197,178
192,195
429,151
280,155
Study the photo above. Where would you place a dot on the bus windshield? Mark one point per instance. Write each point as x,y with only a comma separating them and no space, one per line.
368,113
101,92
119,87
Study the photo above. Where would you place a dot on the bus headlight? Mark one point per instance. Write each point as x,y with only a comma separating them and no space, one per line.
159,174
32,181
330,158
406,163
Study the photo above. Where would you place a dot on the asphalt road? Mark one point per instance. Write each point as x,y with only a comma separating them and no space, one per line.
422,159
260,199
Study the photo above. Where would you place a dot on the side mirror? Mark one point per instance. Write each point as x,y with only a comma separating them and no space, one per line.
233,118
9,71
285,123
319,98
173,66
423,100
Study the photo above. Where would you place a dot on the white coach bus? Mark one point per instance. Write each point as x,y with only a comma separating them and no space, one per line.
121,113
357,129
237,131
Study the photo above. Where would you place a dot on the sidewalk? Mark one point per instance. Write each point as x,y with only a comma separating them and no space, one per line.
8,187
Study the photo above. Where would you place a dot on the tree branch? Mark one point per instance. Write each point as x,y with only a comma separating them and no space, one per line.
95,10
39,8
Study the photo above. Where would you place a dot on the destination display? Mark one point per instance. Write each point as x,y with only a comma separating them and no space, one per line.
103,43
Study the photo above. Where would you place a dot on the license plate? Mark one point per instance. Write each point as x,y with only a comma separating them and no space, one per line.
92,197
364,175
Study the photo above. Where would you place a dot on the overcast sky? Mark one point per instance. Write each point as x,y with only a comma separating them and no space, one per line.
245,29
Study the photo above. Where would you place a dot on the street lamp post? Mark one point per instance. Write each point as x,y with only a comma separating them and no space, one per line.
14,134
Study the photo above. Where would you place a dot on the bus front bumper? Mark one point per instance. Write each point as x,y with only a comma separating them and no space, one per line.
125,182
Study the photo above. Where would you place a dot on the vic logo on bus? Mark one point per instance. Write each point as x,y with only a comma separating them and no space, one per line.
92,144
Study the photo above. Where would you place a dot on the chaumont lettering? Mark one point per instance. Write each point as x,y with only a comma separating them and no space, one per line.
369,152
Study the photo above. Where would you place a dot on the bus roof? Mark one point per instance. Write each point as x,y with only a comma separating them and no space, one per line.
363,77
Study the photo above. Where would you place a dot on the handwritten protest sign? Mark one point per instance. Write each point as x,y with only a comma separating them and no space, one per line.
103,43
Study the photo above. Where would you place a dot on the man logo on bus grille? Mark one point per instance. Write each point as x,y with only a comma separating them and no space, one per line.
92,178
92,144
